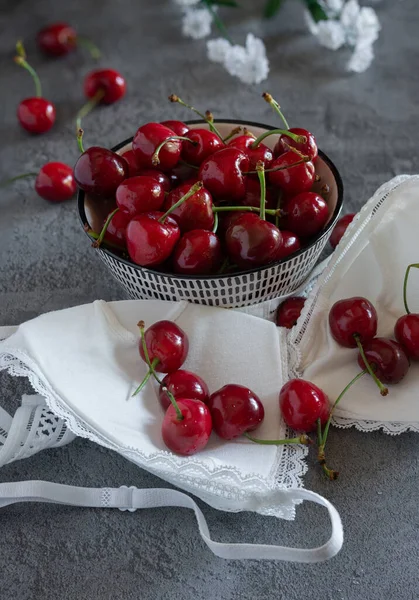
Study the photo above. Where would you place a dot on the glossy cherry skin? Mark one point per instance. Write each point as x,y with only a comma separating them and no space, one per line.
306,214
55,182
183,384
140,194
159,176
116,231
293,180
387,358
225,219
99,171
252,194
190,434
177,127
308,148
406,332
180,174
57,39
288,311
206,143
350,317
132,162
290,244
36,115
260,153
168,343
195,212
302,403
340,228
234,410
222,174
148,138
198,252
150,242
252,242
108,80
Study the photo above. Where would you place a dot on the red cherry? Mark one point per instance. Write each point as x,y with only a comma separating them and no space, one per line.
306,214
158,176
290,244
183,384
140,194
182,174
36,115
150,242
252,242
198,252
295,179
308,148
188,435
340,228
406,332
260,153
387,359
302,403
132,162
110,81
168,343
178,127
222,174
234,410
288,312
146,141
206,143
195,212
252,194
55,182
99,171
57,39
353,317
116,231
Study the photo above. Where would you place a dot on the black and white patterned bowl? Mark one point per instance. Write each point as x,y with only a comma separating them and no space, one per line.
228,290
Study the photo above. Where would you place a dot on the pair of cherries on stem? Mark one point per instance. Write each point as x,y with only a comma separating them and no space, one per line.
406,330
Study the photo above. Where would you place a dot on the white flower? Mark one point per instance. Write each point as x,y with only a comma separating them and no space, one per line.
361,59
249,63
186,2
311,23
331,34
218,49
196,23
332,7
350,14
367,25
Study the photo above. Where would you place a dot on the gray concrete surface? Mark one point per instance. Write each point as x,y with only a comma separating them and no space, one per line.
369,125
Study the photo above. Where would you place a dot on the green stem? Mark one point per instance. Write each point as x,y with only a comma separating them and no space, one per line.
214,229
319,433
147,377
255,209
406,277
95,236
195,188
218,22
80,140
19,60
155,158
303,439
260,167
381,387
301,139
88,107
175,98
232,133
90,46
102,234
16,178
268,98
284,167
278,208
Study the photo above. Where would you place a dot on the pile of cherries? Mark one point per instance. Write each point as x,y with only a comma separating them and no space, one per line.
189,201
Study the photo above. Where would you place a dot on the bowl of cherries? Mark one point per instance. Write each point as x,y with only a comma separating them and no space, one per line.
225,213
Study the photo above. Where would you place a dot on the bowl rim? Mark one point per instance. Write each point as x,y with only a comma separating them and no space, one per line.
331,224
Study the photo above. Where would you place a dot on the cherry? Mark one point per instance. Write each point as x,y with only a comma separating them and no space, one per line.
306,214
195,212
302,403
140,194
387,358
99,171
251,241
226,219
133,167
222,174
182,173
290,244
167,345
340,228
190,434
58,39
288,311
406,332
308,148
117,226
55,182
159,176
198,252
260,153
353,319
206,143
108,83
147,141
150,242
295,179
235,410
183,384
178,127
252,194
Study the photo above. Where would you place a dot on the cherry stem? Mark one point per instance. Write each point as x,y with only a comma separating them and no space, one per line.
255,209
232,133
406,277
270,100
16,178
102,234
146,378
195,188
260,167
155,158
218,22
214,229
381,387
175,98
89,106
278,208
20,60
80,140
95,236
301,139
283,167
303,439
319,432
90,46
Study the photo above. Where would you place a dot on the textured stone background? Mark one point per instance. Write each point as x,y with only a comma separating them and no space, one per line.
369,125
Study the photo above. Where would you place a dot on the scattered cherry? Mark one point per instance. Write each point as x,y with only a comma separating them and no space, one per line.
222,174
353,318
60,38
190,434
290,244
195,212
150,242
107,82
183,384
302,403
178,127
288,312
140,194
235,410
340,228
147,140
55,182
306,214
198,252
387,358
167,345
99,171
308,148
295,179
406,332
251,241
206,143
